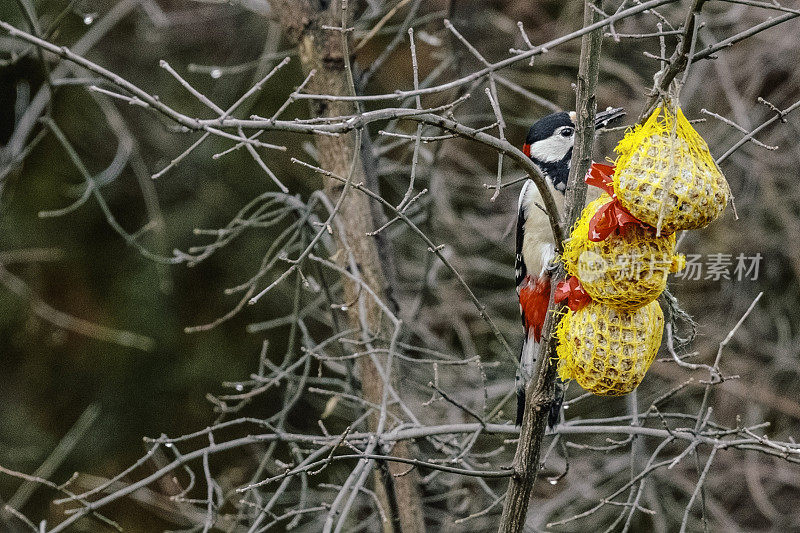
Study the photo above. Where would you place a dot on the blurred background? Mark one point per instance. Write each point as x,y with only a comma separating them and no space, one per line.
79,265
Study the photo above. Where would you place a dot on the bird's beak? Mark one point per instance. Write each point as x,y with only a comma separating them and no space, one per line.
603,118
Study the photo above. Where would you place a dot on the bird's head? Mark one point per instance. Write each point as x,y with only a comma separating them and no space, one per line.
550,139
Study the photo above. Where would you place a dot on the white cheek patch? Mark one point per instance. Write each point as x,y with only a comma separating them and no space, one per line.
552,149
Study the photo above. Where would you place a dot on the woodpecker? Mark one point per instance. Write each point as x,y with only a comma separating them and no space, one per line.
549,145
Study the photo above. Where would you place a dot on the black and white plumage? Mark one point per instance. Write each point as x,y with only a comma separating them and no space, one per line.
549,144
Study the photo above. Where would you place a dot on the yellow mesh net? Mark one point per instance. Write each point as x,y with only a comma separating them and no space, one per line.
608,351
665,175
623,271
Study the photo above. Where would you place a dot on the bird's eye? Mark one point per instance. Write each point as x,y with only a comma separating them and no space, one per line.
566,132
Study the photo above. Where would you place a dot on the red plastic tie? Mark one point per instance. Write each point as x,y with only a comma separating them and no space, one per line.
611,216
571,290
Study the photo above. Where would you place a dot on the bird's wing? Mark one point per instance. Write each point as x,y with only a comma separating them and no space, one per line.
520,270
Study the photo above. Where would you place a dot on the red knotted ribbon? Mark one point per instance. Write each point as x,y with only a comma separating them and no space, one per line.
611,216
571,290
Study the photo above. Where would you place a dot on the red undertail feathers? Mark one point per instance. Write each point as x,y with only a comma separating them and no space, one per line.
533,299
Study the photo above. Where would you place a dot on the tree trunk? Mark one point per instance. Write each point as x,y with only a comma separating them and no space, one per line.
321,50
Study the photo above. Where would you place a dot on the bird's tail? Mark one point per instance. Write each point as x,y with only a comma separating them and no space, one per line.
555,407
534,296
527,359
